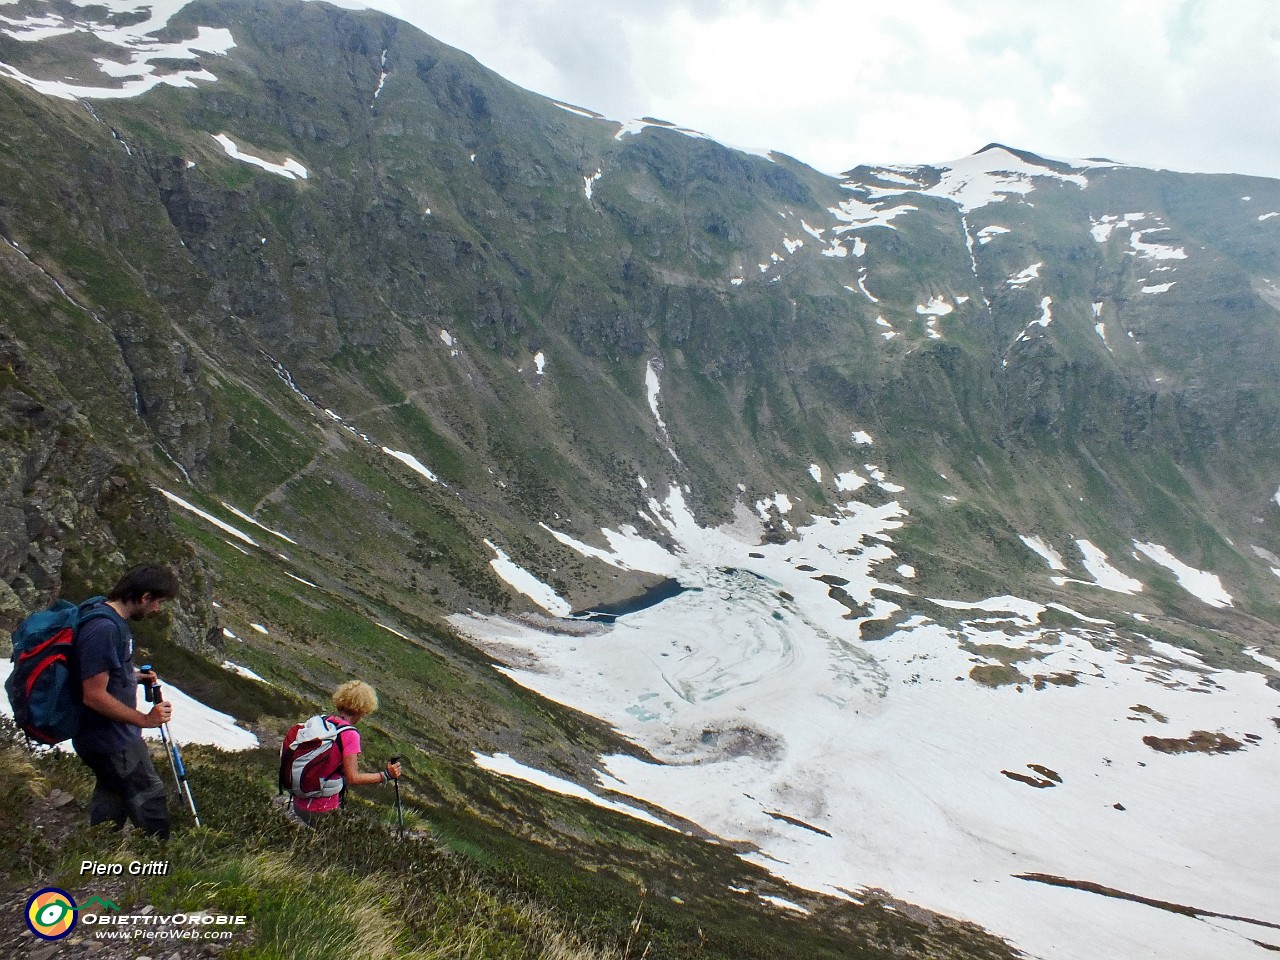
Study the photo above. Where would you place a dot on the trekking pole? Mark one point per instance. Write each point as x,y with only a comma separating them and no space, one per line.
399,808
154,695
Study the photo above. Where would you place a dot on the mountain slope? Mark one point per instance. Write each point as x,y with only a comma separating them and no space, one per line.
461,348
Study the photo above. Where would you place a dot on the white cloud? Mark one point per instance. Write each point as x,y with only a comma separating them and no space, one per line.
1155,82
1171,83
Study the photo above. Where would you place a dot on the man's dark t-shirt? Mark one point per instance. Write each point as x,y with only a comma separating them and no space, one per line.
105,645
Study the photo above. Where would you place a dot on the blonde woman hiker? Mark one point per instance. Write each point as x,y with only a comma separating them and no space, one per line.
319,758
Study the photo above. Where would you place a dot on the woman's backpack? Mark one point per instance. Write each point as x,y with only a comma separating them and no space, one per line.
311,758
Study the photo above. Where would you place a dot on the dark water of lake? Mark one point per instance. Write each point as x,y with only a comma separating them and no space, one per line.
609,612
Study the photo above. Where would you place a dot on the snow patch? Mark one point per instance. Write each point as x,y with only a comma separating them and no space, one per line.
849,481
987,177
243,671
503,764
1266,661
135,41
1154,251
524,582
629,128
1046,552
194,722
652,387
836,249
249,519
858,214
862,285
412,462
1104,574
779,501
208,517
578,111
1026,276
291,169
1198,583
936,307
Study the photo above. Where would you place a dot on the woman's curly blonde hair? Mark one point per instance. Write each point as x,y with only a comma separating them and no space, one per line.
355,697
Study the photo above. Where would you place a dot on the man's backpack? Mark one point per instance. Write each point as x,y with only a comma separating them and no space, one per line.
311,758
44,686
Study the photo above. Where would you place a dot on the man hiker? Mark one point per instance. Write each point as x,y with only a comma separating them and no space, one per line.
318,759
109,740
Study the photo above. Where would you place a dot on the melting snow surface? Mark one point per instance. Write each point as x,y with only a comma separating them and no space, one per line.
505,765
1155,251
221,525
248,519
849,481
632,127
1050,555
522,581
894,770
193,721
412,462
291,169
1271,662
1026,276
242,671
936,307
981,179
1198,583
857,214
862,285
1159,287
134,43
1103,573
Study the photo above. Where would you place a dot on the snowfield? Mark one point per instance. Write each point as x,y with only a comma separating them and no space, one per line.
193,721
107,21
897,764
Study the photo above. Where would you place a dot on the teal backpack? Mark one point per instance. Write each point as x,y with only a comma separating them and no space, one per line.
44,686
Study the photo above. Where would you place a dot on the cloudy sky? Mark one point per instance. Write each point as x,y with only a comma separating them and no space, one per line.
1183,84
